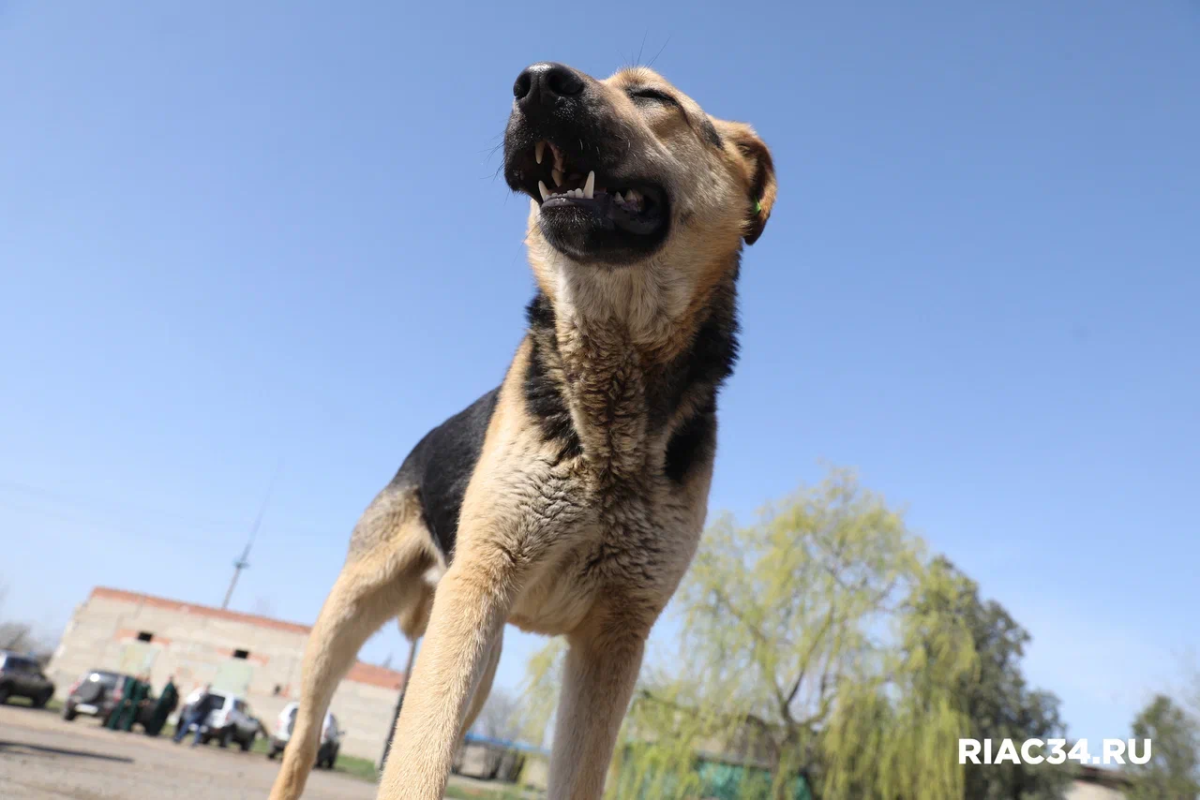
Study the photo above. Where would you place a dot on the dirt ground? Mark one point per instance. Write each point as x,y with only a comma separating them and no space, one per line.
44,758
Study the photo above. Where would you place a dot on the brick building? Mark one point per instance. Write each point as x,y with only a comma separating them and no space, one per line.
255,657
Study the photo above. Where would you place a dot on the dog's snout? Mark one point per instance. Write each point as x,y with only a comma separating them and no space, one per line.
546,83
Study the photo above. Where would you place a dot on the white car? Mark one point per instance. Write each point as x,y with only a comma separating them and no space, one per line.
331,736
229,721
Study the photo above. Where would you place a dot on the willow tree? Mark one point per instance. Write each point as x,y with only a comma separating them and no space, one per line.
810,654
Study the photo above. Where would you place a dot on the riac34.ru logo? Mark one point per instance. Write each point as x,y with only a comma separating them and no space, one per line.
1053,751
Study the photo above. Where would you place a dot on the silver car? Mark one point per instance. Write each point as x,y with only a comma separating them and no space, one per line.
331,736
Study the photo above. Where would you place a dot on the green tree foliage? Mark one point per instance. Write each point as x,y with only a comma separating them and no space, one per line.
998,701
895,734
1173,771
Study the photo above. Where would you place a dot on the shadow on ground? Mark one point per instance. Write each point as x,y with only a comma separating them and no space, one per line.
21,748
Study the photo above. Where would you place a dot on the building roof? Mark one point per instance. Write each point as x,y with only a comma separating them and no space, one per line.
1104,777
359,673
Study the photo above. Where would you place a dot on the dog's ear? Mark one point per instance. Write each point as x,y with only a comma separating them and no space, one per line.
760,175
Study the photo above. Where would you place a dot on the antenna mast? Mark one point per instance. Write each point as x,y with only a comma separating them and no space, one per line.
243,562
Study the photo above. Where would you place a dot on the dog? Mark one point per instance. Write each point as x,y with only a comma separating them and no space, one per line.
569,500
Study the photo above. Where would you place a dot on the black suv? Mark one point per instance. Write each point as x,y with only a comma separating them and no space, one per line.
94,694
20,676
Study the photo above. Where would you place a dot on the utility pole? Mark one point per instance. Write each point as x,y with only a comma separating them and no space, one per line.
244,562
238,565
408,668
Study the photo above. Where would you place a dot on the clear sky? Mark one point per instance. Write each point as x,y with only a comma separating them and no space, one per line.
238,232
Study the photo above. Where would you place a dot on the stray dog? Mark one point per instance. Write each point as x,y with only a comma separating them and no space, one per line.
570,499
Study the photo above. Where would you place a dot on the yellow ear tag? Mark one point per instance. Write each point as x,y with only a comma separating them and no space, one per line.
758,206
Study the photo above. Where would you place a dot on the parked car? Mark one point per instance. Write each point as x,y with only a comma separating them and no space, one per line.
331,736
20,676
229,721
233,722
94,695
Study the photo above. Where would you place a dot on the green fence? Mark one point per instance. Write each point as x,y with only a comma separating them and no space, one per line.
708,779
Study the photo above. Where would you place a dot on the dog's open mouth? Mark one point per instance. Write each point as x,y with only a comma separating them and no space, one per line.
562,185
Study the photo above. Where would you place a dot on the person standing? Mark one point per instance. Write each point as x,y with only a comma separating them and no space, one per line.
113,721
163,707
194,713
141,691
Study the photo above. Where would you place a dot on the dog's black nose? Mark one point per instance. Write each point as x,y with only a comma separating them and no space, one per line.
545,84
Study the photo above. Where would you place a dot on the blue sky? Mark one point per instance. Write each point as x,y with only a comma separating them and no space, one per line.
238,233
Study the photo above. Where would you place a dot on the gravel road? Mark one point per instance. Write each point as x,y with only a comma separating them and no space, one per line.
44,758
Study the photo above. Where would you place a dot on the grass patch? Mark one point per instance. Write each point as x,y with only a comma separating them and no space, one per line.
53,705
355,767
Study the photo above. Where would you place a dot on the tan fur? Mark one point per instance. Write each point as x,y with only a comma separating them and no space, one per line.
592,546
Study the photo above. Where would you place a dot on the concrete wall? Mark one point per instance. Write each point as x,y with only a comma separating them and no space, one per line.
198,645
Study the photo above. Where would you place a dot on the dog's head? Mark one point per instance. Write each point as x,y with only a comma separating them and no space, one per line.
629,173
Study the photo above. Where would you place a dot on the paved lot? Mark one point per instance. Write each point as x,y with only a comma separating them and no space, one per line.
44,758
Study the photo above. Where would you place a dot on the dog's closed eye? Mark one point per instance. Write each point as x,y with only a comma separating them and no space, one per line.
647,95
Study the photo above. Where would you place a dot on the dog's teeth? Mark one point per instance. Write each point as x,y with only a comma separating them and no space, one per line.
589,188
633,197
618,198
545,192
558,176
539,150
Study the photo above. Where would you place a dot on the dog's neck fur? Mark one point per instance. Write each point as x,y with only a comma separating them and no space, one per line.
632,359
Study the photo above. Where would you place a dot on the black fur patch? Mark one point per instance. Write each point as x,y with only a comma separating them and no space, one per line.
542,394
710,133
693,380
697,373
441,465
694,441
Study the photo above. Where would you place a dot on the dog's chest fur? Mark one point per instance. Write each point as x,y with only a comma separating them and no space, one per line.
632,439
627,414
604,383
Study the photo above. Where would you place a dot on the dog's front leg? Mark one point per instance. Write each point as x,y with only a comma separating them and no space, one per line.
601,671
469,612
